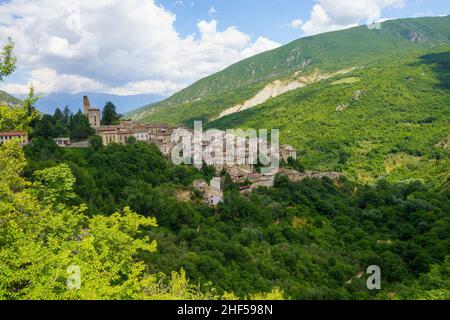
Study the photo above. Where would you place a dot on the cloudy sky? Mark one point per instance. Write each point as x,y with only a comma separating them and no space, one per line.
130,47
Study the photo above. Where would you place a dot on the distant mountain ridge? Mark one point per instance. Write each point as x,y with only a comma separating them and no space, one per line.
49,103
328,52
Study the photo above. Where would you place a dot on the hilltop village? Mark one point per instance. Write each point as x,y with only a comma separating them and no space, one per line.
161,136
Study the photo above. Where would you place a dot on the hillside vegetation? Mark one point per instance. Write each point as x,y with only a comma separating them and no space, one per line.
327,52
387,119
8,100
312,240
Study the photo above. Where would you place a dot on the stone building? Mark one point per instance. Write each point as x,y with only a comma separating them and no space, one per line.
160,135
288,151
93,114
212,193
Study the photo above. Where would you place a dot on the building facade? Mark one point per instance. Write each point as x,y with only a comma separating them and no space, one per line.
287,152
7,136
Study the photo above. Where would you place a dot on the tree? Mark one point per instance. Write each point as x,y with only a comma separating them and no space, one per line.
54,185
61,128
66,116
14,119
7,60
96,143
30,101
63,254
131,140
80,129
44,127
110,115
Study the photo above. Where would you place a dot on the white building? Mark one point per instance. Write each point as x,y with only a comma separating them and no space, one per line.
212,194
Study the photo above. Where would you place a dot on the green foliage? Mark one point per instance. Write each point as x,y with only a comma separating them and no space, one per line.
39,244
107,177
391,130
309,238
14,119
30,101
80,129
7,60
96,143
54,185
110,115
326,52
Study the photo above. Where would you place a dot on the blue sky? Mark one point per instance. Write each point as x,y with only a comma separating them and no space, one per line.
272,19
128,47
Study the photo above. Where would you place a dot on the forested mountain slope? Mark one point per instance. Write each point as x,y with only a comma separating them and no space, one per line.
8,100
322,53
390,118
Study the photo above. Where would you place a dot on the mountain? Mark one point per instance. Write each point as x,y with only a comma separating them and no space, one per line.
49,103
369,103
389,119
321,54
9,100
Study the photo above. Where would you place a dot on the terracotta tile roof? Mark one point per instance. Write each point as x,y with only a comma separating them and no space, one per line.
13,134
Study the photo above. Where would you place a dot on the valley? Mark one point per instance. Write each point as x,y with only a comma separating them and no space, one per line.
364,181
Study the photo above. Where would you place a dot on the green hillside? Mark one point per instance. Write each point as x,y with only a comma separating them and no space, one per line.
388,119
9,100
327,52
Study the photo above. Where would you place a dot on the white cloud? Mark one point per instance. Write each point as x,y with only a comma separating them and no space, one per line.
47,80
296,24
162,87
330,15
122,46
261,45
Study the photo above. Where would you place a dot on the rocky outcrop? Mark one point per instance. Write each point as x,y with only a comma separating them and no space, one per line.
342,107
417,37
279,87
355,98
444,144
296,176
357,95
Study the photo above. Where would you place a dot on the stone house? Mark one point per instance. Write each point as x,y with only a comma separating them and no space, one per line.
212,193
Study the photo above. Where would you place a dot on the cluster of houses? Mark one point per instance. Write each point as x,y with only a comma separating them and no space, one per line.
161,135
249,180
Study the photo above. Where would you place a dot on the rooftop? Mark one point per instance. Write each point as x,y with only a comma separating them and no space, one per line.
14,134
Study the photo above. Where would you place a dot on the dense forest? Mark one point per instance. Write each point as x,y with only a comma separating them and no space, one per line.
309,238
